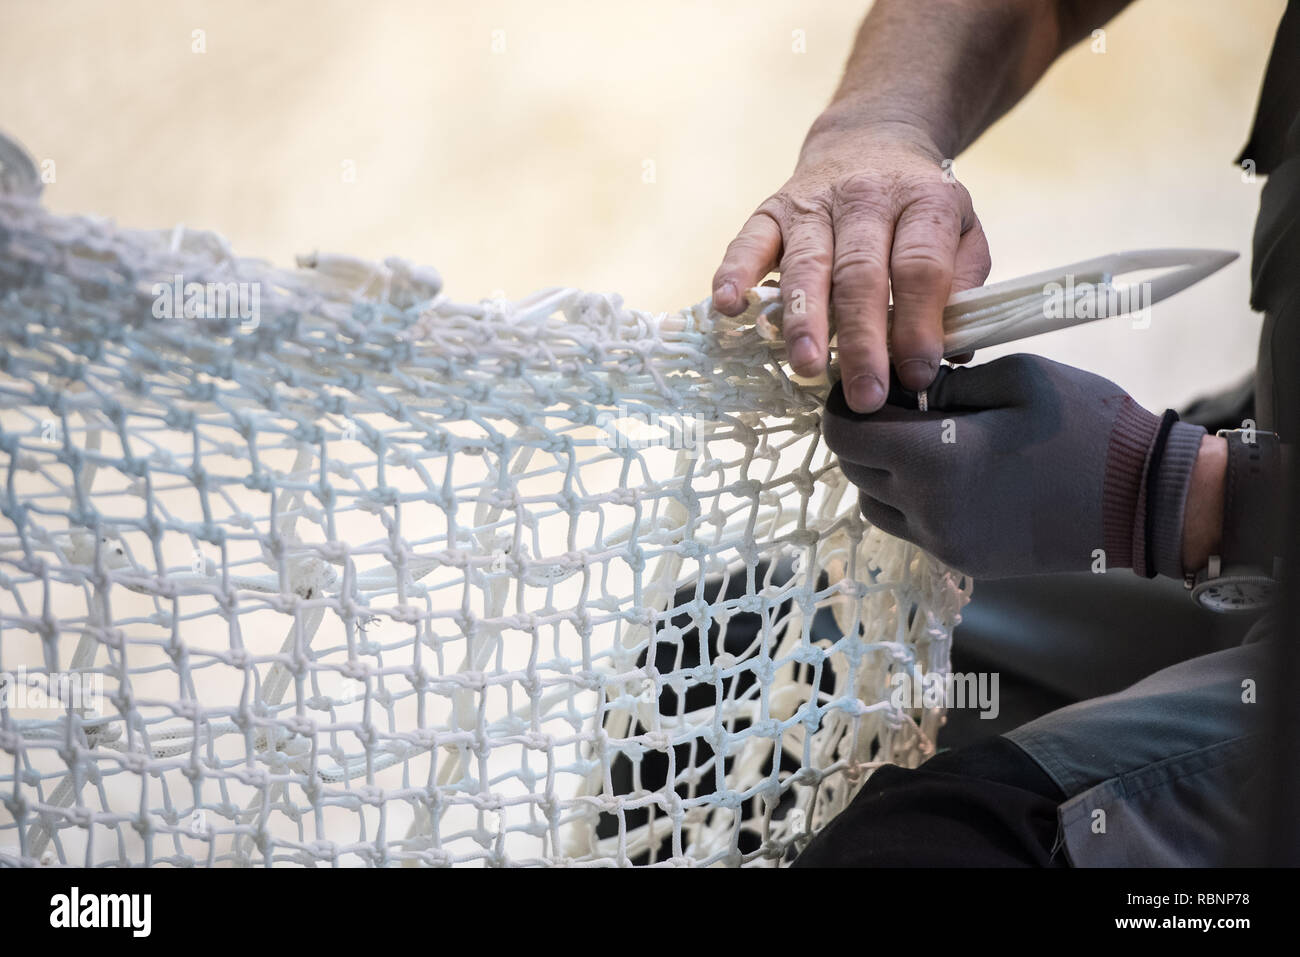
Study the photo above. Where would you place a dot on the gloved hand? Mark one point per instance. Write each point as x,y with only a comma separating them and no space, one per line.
1021,466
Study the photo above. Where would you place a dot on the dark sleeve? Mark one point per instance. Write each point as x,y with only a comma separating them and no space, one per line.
985,805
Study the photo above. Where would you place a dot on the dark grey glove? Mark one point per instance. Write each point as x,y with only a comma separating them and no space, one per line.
1022,466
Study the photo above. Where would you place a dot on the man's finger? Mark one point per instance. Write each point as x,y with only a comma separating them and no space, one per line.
972,260
921,269
885,517
971,268
750,257
860,295
805,292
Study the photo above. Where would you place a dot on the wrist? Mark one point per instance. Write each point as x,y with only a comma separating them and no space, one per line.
1203,515
873,125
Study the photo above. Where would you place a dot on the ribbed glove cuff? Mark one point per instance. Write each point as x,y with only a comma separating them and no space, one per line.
1125,503
1169,507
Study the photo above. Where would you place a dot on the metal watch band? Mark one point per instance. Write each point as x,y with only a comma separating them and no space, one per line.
1251,498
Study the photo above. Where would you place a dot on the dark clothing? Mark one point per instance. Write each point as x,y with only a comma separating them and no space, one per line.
1275,136
1274,147
986,805
1164,773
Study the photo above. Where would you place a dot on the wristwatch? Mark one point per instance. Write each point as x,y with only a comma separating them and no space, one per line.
1243,576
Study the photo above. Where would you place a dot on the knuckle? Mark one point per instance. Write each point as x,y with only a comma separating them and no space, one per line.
860,324
861,347
778,206
862,194
727,267
805,256
742,247
915,342
800,312
1021,366
781,210
872,512
982,261
921,266
794,324
787,208
937,207
879,514
860,271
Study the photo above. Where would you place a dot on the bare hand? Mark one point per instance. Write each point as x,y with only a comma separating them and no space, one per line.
866,206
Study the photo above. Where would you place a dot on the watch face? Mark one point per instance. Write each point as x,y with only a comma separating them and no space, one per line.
1234,594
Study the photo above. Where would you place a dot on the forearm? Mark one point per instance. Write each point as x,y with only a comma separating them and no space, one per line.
952,67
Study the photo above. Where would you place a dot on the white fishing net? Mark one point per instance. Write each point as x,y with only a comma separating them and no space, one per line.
354,573
319,566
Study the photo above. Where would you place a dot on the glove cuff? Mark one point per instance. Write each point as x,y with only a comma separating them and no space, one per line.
1142,514
1168,505
1132,436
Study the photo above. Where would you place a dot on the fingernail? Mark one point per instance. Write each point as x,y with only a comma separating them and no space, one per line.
803,352
865,393
917,373
726,294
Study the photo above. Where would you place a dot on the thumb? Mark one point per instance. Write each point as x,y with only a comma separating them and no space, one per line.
852,435
1011,380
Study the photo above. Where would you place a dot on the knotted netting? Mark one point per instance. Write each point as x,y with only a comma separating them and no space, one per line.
319,566
348,572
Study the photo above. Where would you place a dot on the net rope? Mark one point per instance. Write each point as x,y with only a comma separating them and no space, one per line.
393,579
382,578
356,574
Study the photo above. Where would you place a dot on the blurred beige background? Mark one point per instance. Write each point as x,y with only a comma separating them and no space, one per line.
508,142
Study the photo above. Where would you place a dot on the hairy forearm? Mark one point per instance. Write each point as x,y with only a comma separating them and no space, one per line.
952,67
